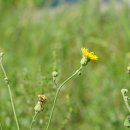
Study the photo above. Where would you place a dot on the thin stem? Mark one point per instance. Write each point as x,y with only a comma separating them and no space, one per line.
10,93
0,126
55,83
127,105
57,92
33,120
125,97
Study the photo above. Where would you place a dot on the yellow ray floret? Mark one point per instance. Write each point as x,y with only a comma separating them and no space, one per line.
89,55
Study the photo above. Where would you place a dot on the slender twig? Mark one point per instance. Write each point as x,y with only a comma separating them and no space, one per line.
57,92
33,120
10,93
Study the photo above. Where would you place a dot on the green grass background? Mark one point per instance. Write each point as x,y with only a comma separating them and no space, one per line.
36,40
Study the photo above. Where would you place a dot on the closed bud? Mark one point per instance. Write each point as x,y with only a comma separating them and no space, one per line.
54,73
79,73
38,107
128,69
6,80
83,61
1,54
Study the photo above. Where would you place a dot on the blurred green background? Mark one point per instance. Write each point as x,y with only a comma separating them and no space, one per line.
37,38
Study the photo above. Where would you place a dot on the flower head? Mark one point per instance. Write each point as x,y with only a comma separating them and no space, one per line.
39,106
41,98
89,55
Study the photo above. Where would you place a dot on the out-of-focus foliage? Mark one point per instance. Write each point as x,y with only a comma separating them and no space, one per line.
30,36
5,4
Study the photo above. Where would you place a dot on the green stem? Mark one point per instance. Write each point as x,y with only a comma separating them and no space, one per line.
33,120
57,92
125,97
0,126
10,93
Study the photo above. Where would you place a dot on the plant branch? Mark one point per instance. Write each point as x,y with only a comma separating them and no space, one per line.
33,120
57,92
10,93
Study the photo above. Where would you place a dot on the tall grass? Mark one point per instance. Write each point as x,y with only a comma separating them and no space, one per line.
30,35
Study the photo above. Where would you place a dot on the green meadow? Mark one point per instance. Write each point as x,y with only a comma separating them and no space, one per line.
38,40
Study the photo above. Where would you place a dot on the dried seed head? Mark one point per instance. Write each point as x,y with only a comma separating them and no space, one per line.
41,98
39,106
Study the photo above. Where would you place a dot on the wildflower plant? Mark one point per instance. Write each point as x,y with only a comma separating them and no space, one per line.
39,107
41,98
126,99
9,89
86,58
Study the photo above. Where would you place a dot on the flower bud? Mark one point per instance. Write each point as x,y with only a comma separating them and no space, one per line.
79,73
128,69
54,73
83,61
1,54
6,80
38,107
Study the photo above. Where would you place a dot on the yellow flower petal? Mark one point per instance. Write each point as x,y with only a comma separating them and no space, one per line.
89,55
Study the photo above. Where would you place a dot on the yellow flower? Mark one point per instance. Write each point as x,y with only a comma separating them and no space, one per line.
89,55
